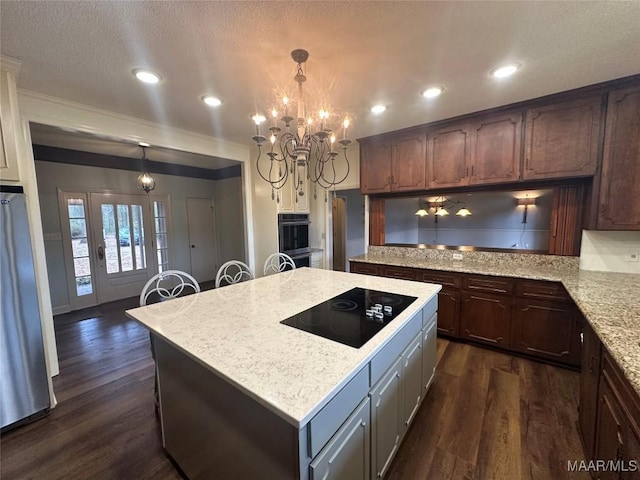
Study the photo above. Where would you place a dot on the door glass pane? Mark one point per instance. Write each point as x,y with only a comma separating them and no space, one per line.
138,236
79,246
162,244
124,238
78,227
84,286
110,240
75,207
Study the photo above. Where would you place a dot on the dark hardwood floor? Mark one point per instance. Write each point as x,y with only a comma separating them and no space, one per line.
488,415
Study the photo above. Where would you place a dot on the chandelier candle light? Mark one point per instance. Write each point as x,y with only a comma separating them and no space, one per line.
298,152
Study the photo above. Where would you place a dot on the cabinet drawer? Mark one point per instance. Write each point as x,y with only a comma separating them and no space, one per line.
488,284
443,278
328,420
366,268
429,311
539,289
392,350
398,272
623,390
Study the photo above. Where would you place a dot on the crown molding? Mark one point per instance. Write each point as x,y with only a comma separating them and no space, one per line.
62,113
10,64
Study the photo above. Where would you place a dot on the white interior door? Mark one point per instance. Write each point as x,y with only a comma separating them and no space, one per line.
202,238
122,247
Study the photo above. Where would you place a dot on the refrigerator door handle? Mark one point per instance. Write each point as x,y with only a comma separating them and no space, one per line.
100,252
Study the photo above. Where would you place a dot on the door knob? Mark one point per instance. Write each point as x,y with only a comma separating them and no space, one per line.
193,246
100,252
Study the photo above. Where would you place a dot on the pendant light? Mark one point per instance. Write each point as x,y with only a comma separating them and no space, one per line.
145,180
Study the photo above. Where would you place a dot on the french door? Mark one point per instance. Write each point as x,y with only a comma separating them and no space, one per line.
123,250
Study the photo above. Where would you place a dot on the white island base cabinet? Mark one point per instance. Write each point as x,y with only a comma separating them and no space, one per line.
213,429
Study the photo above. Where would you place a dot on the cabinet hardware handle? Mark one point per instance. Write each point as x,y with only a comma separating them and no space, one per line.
582,338
467,171
363,424
397,375
472,170
591,360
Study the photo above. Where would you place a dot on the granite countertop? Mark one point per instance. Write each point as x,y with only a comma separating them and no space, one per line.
609,301
235,331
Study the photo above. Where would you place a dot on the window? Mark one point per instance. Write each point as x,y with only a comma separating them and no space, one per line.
162,241
80,246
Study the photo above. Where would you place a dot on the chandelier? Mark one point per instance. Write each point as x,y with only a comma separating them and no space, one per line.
297,151
440,207
145,181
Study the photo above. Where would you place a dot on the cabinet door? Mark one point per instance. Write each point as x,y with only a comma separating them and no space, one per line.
448,157
619,199
386,421
449,312
409,163
486,318
546,329
411,381
375,167
609,442
561,140
589,376
347,455
429,349
495,149
631,454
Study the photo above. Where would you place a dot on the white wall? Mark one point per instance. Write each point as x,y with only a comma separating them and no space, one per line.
400,221
610,251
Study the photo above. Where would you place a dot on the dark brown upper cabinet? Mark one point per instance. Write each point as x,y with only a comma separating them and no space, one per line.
394,164
619,199
496,149
375,166
448,152
561,139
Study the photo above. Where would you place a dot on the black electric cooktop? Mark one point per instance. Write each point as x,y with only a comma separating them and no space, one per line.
353,317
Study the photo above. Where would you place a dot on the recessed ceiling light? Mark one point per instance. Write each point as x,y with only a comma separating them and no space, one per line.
144,144
432,92
146,76
212,101
505,70
378,108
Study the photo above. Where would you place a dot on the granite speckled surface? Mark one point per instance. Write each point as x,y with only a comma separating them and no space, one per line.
609,301
235,331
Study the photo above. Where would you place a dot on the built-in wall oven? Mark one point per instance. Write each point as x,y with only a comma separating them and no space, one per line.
293,237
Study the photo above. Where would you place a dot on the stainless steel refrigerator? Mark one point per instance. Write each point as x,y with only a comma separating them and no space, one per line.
24,386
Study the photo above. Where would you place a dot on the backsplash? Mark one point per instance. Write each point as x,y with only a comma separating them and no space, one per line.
520,259
610,251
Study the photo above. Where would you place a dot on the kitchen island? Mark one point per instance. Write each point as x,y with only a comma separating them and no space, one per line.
244,396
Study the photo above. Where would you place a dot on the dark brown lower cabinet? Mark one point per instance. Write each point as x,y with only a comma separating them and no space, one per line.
365,268
485,317
589,378
546,329
398,272
449,312
618,424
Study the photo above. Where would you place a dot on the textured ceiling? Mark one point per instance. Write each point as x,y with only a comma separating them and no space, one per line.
360,53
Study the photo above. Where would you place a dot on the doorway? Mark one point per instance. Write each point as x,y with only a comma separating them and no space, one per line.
123,248
203,245
339,223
